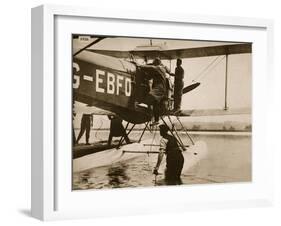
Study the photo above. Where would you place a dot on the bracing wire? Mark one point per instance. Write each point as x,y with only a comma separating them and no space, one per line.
214,66
205,69
209,68
97,130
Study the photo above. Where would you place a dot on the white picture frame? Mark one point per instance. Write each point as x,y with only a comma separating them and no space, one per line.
52,197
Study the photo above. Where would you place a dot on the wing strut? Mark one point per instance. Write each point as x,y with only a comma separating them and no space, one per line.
127,134
176,132
171,131
226,83
146,124
185,130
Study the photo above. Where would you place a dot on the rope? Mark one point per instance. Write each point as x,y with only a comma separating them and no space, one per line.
154,135
148,159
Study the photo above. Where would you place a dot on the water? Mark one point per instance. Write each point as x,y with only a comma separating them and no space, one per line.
228,160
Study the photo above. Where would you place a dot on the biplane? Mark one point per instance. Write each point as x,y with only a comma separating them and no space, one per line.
113,81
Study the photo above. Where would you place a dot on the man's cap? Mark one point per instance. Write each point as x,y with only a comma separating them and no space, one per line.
164,128
157,61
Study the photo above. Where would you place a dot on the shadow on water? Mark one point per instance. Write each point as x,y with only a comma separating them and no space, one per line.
117,175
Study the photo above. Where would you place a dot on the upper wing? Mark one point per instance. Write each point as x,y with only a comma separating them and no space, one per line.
208,51
181,53
113,53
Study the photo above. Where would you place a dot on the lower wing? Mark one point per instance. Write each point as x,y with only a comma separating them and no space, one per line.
91,110
213,112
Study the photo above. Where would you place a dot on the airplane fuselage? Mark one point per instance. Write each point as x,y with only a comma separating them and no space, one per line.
108,83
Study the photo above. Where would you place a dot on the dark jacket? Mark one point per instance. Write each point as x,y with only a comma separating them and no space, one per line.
116,127
174,159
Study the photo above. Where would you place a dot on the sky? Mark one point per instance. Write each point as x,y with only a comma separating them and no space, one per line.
210,94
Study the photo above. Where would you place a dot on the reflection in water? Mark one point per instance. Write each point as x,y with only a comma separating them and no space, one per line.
229,160
81,181
117,175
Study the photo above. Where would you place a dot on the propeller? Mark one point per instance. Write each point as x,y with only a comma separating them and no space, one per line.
190,87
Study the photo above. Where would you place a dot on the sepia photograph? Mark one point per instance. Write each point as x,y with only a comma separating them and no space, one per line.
160,112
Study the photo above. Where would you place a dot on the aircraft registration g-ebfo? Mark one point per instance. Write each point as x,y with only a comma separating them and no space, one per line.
114,82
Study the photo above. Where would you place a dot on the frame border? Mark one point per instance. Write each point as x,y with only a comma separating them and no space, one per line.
43,124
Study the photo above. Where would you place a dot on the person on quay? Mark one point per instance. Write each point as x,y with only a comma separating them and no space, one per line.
86,124
178,86
117,129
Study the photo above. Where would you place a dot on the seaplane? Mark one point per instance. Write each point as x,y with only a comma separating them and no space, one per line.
113,81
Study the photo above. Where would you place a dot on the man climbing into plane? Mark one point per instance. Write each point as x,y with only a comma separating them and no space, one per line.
158,90
174,157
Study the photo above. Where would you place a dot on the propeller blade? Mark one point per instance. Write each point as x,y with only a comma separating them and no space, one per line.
190,87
